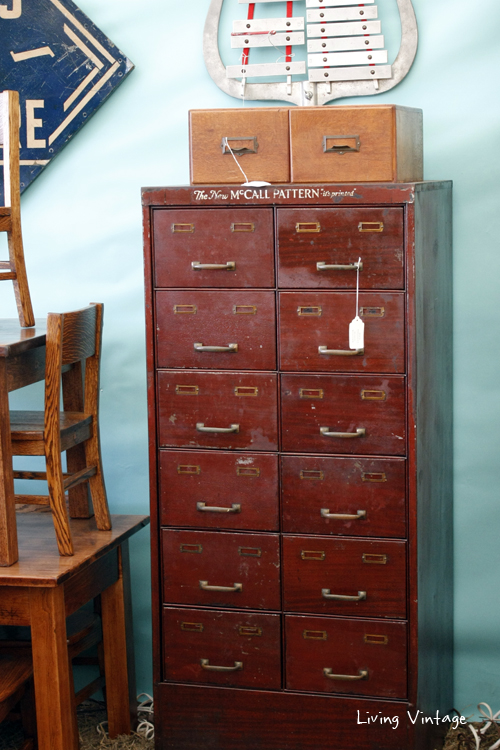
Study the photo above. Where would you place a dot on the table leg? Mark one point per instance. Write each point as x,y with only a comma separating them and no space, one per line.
8,532
119,651
55,713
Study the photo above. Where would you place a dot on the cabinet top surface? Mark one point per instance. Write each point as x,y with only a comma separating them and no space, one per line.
289,194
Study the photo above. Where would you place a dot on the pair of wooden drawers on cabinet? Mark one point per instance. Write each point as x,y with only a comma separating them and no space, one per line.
318,495
283,463
235,649
355,414
240,243
329,576
236,330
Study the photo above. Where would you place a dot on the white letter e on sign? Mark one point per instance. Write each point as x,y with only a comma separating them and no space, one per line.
14,13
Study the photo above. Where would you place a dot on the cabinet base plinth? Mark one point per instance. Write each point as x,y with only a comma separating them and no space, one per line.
194,717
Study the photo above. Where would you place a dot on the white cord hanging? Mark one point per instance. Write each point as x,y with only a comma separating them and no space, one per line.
145,727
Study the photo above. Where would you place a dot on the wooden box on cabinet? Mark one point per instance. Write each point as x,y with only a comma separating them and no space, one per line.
370,143
258,136
301,494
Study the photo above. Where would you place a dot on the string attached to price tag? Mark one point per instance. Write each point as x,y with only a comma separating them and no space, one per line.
357,326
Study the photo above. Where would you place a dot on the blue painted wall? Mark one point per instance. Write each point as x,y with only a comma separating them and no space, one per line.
82,228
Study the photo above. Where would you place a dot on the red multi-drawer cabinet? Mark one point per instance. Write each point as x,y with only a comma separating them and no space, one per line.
301,491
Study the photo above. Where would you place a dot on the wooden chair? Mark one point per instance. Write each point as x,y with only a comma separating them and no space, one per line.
16,688
73,340
10,212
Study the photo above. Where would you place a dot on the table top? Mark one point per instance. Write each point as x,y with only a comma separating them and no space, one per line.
39,562
15,340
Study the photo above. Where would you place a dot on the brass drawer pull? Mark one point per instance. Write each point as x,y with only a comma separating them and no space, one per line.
341,144
202,348
201,428
205,663
242,226
192,627
340,352
325,513
183,228
321,266
308,226
229,266
360,432
362,675
325,593
235,508
228,589
252,148
371,226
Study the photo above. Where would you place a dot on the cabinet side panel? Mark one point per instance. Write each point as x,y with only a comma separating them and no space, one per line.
431,454
151,391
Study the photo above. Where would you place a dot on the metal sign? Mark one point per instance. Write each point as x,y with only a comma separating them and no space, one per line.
345,54
64,68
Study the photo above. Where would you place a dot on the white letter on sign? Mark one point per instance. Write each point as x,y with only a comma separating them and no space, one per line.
33,122
14,13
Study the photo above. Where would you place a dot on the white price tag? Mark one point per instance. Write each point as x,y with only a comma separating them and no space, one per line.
356,333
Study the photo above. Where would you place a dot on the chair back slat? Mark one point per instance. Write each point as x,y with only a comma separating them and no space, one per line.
79,335
5,138
2,116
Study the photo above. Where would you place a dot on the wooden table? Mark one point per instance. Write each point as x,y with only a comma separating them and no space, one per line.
43,588
22,362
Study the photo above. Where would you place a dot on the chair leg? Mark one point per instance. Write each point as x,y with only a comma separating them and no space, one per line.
57,501
96,483
28,715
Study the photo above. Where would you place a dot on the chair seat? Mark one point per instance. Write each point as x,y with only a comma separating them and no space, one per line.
28,426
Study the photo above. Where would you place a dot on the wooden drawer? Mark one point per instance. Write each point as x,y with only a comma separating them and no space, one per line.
354,496
238,241
333,237
371,573
258,136
242,404
235,649
190,324
219,569
330,655
219,490
343,414
314,332
356,143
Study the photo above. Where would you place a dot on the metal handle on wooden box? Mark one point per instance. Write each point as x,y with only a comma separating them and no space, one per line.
362,675
196,265
340,352
326,432
202,348
205,663
341,148
227,589
235,508
325,593
325,513
242,149
201,428
322,266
